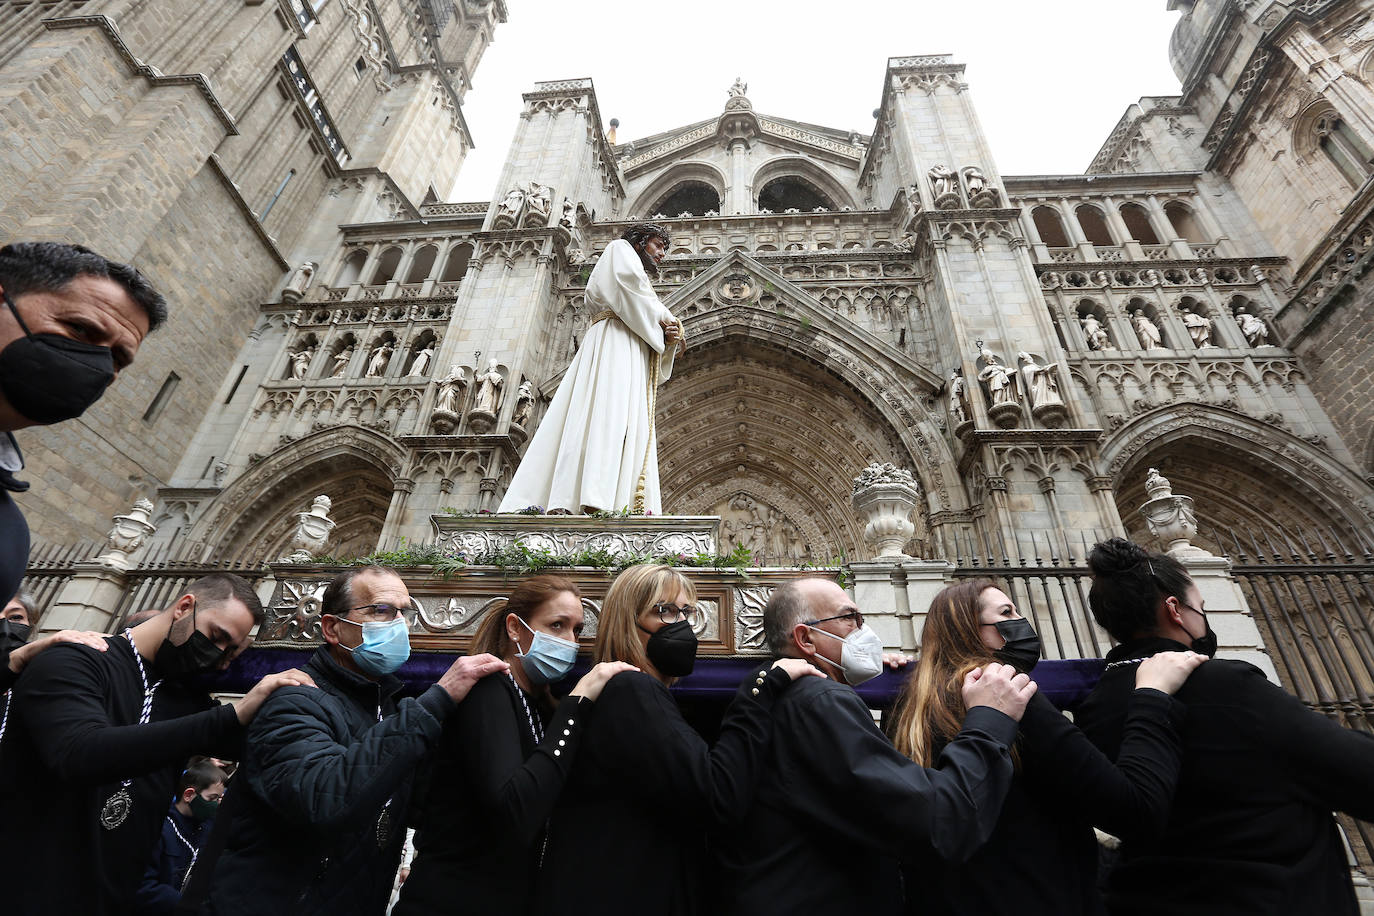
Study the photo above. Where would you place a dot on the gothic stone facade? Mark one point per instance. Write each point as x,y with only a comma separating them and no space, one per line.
1026,345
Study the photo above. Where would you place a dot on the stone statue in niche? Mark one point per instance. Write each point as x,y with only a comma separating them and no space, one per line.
569,214
299,282
489,389
508,212
1095,333
943,182
524,404
451,390
980,193
540,197
300,361
1199,328
341,361
376,365
1000,382
1041,382
421,361
1253,327
958,408
1146,331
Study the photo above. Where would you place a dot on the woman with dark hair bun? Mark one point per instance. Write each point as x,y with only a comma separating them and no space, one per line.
1250,831
1042,856
502,759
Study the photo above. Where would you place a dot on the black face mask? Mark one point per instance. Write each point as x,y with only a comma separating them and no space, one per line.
198,655
673,649
13,635
1022,649
49,378
1206,644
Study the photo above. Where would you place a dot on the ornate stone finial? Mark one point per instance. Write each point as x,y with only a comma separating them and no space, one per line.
312,531
127,535
884,496
1170,518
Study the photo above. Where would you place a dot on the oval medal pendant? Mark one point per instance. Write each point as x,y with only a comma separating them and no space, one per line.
116,809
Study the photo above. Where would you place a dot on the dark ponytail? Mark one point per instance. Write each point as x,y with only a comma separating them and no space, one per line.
1129,582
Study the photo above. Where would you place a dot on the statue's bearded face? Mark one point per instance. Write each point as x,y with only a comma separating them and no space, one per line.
653,250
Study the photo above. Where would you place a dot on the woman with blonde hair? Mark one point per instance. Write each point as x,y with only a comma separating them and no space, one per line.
629,832
503,758
1042,855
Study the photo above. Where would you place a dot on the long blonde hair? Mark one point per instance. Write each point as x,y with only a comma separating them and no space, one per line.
633,592
930,710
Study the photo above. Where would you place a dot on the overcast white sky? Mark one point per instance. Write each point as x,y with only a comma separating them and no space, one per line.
1049,79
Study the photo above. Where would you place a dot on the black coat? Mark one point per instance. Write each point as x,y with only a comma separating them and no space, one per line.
490,792
319,768
1250,831
628,835
838,804
73,738
160,891
1042,855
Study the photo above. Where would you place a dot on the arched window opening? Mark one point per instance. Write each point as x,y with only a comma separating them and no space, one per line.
457,264
422,265
352,268
1138,224
386,266
1050,227
1184,223
791,193
1343,147
1094,225
695,198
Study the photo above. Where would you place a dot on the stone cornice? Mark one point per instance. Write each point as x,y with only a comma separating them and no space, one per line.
1030,186
154,77
249,216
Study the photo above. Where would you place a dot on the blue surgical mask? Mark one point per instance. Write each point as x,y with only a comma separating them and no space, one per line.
385,646
548,659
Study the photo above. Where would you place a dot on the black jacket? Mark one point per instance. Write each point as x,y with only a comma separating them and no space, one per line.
1250,831
837,805
73,737
628,835
172,857
305,835
1042,855
490,791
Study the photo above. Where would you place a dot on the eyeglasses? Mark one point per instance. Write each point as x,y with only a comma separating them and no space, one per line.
671,613
855,617
382,612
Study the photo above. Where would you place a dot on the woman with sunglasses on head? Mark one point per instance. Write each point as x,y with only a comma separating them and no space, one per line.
1250,830
629,833
503,758
1042,855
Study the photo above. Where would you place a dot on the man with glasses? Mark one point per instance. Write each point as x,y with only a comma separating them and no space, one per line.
317,811
95,740
835,792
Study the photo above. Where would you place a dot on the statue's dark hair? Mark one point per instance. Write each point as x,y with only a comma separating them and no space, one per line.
1129,582
640,233
47,267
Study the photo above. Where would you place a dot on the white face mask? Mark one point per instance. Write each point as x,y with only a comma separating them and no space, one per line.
861,655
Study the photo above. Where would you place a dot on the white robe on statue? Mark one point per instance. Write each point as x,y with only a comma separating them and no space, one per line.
597,438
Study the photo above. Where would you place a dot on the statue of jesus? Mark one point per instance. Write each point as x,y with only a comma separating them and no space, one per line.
595,448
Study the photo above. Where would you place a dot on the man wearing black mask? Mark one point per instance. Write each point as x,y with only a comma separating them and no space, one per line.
70,320
96,741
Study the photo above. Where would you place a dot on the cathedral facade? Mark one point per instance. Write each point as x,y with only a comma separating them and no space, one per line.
1026,346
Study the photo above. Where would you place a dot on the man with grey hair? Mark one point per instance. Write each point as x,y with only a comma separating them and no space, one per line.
832,781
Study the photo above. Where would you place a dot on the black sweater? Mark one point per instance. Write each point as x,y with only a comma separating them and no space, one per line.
838,804
628,835
491,790
73,738
1250,831
1042,855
